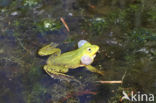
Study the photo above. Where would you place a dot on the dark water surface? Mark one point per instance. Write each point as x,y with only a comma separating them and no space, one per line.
124,30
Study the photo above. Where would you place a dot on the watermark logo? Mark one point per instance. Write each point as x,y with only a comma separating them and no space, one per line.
135,97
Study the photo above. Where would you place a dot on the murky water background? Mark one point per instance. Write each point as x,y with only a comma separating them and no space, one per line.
124,30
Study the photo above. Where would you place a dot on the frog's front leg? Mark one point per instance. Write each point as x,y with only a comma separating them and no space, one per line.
57,72
93,69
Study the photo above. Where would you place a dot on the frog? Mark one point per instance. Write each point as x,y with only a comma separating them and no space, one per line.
58,64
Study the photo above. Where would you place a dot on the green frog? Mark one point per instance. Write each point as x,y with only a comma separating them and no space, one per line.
58,64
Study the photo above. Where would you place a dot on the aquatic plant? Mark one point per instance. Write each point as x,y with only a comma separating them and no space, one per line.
31,3
116,98
48,24
37,91
95,25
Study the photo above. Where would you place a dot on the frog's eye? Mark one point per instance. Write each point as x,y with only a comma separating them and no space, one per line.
89,49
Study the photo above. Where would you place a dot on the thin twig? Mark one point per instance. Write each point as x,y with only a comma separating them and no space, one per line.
124,76
80,93
65,24
14,60
91,6
21,44
109,82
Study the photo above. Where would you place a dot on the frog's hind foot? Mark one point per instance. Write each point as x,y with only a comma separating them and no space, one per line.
52,45
61,76
49,49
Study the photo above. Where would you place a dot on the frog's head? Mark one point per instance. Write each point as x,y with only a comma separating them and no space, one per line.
88,52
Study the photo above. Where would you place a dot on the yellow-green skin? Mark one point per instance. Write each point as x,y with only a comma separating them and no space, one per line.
58,64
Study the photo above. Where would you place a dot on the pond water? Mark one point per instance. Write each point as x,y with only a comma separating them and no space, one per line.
124,30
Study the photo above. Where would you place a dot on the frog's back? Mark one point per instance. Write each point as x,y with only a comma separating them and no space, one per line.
69,59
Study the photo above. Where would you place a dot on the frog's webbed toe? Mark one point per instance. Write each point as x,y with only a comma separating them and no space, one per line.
53,44
49,49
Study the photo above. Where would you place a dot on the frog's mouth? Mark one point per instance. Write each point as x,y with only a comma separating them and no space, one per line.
94,56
